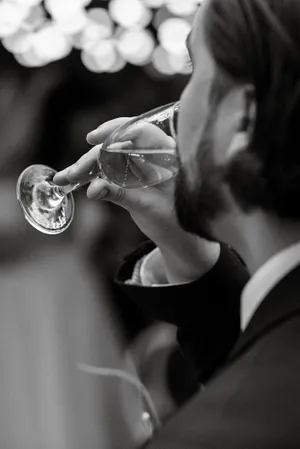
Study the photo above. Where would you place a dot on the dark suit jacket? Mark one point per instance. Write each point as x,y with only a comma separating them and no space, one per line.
252,397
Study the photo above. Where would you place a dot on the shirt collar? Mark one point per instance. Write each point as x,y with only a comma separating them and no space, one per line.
265,279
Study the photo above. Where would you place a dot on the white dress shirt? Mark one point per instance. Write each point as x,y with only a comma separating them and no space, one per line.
265,279
255,291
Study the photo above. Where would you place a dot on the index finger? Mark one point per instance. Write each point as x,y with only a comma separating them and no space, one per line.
103,131
86,168
80,171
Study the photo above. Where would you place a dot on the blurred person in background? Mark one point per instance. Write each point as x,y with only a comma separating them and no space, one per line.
110,233
57,295
53,307
240,164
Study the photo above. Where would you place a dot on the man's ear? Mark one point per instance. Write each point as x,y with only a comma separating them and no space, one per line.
242,138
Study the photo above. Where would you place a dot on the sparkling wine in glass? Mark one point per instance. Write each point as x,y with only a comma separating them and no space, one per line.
124,162
131,166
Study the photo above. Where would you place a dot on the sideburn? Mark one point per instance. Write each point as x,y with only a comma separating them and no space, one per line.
243,175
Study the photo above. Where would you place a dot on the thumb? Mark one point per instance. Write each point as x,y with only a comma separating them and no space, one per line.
100,189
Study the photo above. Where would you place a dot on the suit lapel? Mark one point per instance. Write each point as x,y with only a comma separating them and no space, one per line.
280,304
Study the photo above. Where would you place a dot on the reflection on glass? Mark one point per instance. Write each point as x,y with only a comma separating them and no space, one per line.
140,154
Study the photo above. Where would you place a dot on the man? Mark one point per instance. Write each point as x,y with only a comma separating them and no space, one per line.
240,169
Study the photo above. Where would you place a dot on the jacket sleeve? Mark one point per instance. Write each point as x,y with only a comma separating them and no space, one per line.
206,312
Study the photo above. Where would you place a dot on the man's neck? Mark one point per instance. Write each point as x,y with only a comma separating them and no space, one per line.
264,236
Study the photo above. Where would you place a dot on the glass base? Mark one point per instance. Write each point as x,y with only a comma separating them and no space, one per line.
45,207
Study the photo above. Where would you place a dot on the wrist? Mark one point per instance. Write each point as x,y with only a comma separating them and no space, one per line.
187,259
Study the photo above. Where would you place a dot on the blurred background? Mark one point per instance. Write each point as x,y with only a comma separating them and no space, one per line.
66,67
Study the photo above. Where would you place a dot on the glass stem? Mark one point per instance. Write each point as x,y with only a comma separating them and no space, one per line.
64,190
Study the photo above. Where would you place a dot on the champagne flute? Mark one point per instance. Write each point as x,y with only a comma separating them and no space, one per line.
50,208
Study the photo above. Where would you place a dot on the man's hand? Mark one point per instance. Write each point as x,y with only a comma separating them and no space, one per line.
186,257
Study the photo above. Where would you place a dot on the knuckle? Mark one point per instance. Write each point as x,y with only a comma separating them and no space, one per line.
120,195
72,172
83,160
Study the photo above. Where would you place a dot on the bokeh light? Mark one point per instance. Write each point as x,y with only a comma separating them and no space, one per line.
99,26
129,13
20,42
90,62
118,65
74,22
60,9
122,31
172,34
50,44
36,18
29,58
182,7
27,3
100,16
179,62
161,15
11,17
161,62
136,46
170,63
105,54
154,3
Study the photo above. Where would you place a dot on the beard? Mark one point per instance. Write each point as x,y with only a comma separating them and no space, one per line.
199,204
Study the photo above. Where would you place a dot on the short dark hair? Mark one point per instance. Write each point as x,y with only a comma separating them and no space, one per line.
258,42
